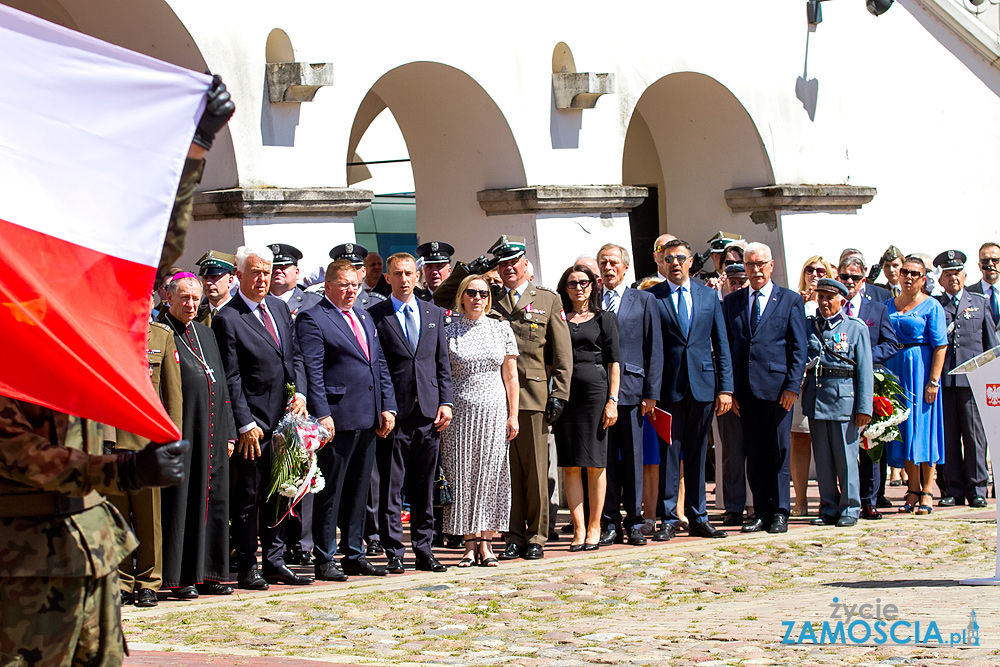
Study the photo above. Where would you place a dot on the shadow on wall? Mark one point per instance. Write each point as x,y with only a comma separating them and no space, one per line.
564,125
806,89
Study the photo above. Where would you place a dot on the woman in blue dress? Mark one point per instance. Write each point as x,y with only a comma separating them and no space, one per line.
918,321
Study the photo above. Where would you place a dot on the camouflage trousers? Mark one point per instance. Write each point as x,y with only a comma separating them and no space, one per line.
60,622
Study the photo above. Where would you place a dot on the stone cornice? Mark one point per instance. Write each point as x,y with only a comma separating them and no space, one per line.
562,199
799,197
280,202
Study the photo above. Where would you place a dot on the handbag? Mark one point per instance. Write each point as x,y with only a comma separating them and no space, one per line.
442,490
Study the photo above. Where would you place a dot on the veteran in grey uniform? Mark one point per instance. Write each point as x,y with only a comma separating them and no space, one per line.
837,398
545,352
971,331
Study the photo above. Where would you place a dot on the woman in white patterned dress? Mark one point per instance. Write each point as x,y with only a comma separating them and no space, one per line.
474,447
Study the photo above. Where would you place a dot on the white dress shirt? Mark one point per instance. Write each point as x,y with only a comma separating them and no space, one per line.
765,295
619,293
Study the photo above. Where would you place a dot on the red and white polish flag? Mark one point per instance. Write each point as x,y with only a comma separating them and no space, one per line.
93,139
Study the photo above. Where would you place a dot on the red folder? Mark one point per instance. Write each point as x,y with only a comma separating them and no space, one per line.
660,419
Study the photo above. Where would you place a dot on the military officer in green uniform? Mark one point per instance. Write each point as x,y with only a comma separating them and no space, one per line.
543,344
216,272
141,578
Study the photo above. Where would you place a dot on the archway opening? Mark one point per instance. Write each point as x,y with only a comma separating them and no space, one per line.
691,139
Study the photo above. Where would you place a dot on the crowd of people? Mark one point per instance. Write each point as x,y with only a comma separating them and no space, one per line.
465,377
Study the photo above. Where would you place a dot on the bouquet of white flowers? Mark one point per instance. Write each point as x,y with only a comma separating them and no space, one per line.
888,412
294,472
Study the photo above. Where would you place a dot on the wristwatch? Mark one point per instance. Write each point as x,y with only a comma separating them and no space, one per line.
613,398
934,383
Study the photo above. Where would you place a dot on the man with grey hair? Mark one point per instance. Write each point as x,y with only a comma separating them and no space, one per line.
877,293
641,347
767,334
261,356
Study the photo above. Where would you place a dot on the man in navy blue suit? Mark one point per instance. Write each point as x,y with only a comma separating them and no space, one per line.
767,336
411,332
351,394
697,378
261,356
859,304
642,371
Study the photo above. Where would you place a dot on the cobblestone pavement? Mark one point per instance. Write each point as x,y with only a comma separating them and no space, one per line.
685,602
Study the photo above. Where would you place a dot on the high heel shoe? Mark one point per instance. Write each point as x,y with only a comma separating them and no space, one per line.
590,547
470,558
573,548
924,509
908,507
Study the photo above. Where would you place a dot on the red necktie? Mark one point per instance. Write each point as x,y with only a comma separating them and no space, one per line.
269,324
358,333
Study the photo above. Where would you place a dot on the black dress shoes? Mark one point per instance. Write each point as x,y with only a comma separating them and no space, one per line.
362,567
755,526
947,501
251,580
882,503
282,575
374,548
329,572
732,519
454,542
824,520
127,598
182,593
534,552
869,513
147,598
636,538
846,521
609,537
298,557
779,524
977,501
395,565
665,533
430,564
512,552
705,529
214,588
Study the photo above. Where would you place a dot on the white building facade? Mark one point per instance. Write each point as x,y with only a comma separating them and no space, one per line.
575,125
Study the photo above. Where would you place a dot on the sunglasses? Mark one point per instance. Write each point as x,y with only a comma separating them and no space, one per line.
850,277
481,293
989,260
670,259
819,271
911,274
573,284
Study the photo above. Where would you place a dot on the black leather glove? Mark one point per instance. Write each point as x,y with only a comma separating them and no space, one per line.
155,465
481,265
554,409
218,110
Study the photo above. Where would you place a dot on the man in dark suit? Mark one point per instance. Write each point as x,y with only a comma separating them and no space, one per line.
284,285
697,377
871,475
641,346
989,266
877,293
411,332
767,336
350,393
261,356
971,332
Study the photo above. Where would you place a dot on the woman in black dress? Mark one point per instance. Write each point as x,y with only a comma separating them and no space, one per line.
581,432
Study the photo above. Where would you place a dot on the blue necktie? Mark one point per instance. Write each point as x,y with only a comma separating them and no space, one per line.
755,312
412,330
994,306
682,312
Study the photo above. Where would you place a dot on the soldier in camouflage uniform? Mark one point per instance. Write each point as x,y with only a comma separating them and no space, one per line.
60,540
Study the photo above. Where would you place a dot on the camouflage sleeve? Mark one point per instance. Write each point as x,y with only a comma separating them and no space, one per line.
180,216
29,458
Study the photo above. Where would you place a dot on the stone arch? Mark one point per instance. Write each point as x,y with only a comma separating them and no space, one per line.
150,27
692,139
459,143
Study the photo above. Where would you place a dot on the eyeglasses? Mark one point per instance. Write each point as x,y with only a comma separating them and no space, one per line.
670,259
473,293
350,286
850,278
573,284
818,270
906,273
756,265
